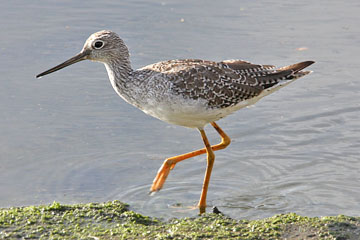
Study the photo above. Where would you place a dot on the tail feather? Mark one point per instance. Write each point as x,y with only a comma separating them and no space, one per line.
297,66
290,72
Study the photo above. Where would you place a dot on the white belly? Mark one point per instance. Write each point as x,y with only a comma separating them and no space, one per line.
195,113
190,113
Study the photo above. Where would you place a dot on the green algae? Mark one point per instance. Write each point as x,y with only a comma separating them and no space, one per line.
114,220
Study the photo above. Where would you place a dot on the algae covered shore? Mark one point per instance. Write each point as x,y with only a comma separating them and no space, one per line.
114,220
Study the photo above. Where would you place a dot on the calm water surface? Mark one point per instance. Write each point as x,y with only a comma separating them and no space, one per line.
68,137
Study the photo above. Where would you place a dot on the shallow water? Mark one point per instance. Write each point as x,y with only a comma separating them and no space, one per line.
68,137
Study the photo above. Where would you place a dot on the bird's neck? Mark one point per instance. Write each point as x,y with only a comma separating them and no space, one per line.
120,74
125,81
119,71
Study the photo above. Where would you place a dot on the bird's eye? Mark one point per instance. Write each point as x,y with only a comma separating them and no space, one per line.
98,44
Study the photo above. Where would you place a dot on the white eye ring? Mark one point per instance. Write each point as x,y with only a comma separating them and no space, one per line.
98,44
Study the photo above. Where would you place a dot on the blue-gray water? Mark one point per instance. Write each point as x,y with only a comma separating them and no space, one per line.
68,137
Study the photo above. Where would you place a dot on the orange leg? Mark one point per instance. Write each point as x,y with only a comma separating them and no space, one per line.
170,163
209,167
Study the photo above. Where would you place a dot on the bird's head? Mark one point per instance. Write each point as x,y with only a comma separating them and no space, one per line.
104,46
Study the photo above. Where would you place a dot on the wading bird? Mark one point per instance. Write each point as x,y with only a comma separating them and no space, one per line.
185,92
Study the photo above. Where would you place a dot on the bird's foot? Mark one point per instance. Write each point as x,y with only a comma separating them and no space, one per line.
162,174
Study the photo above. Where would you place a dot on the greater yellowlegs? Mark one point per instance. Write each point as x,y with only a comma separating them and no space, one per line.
186,92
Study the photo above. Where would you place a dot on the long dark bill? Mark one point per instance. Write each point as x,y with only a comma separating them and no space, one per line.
77,58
